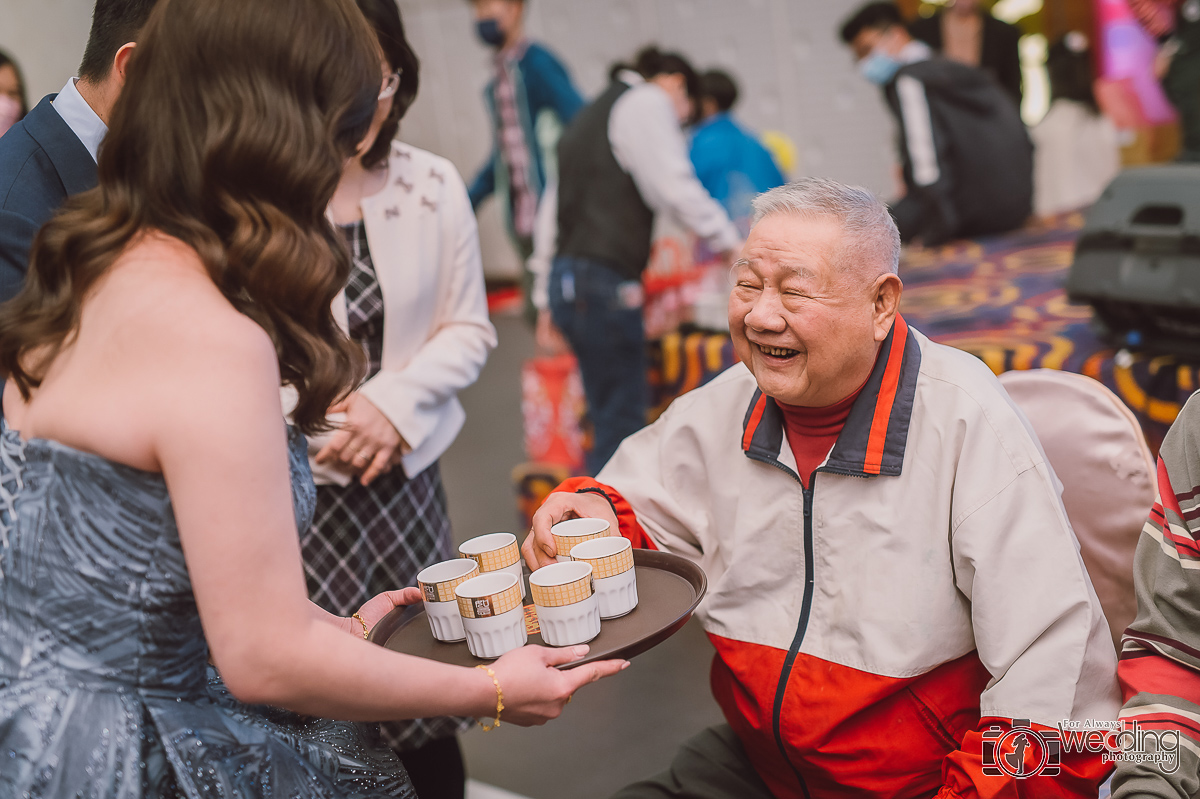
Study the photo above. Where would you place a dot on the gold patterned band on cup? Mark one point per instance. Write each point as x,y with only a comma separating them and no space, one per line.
610,565
564,543
483,607
444,591
497,559
557,596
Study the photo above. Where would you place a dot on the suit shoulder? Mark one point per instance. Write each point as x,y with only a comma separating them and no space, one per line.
29,183
17,147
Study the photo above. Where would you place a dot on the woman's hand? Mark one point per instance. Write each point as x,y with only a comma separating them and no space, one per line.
380,605
366,443
535,691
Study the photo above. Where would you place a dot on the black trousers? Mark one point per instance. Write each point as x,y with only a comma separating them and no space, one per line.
710,765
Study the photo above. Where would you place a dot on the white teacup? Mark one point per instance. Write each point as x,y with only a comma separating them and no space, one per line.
567,610
575,531
437,583
614,579
496,552
492,615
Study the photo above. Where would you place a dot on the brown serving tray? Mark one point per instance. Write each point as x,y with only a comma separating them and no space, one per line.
669,589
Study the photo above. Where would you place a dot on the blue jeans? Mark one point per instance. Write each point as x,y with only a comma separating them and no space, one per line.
600,313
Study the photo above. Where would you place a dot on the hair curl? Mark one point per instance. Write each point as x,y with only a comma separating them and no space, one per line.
230,135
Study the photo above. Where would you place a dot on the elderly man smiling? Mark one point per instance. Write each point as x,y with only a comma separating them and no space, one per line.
892,577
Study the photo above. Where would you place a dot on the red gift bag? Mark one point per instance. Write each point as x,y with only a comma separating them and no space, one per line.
553,408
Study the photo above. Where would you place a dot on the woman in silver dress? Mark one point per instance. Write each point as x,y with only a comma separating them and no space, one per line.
151,494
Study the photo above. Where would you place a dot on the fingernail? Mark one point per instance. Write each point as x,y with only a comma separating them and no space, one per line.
581,650
624,665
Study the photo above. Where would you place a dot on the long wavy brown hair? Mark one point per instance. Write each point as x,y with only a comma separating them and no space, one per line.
230,135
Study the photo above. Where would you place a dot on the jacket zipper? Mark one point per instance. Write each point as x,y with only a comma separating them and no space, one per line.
806,605
805,610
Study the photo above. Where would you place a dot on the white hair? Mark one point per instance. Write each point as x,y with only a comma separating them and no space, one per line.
870,239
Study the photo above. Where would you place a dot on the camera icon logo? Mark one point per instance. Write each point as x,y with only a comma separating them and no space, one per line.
1021,751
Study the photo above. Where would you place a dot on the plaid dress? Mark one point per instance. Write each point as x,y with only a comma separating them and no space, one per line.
368,539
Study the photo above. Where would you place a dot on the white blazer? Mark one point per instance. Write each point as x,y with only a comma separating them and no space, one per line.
424,243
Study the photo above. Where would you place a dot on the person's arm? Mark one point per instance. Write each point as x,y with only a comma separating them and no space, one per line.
545,244
221,447
412,398
632,494
926,147
1039,628
484,184
771,173
1160,664
706,155
16,240
549,80
649,144
1006,59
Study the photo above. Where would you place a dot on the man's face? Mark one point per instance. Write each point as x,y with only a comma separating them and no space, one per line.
675,85
507,13
890,39
807,330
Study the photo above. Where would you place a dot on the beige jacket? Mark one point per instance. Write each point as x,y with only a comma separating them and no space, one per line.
424,243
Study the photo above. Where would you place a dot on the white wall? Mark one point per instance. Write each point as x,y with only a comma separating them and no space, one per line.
795,75
46,37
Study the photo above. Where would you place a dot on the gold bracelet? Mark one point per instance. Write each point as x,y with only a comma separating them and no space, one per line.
499,700
366,630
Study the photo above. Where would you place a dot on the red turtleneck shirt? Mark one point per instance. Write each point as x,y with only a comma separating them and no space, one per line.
811,432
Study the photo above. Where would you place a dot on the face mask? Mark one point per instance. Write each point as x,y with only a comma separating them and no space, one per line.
878,67
10,112
489,31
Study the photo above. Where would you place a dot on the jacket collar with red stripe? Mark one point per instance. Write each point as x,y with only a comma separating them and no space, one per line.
873,438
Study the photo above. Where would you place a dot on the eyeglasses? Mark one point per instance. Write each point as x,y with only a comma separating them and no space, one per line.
390,84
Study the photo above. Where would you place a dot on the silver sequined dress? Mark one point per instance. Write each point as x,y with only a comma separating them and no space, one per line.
105,691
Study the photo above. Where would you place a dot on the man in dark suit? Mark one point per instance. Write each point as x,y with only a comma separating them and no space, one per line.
51,153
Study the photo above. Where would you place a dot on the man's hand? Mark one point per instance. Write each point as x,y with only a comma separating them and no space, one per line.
366,443
539,549
550,340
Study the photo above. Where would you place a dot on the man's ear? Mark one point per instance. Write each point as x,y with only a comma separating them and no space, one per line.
887,290
121,62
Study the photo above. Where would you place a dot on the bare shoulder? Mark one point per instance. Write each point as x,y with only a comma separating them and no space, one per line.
172,342
171,312
159,356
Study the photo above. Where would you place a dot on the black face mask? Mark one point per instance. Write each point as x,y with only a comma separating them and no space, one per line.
488,30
